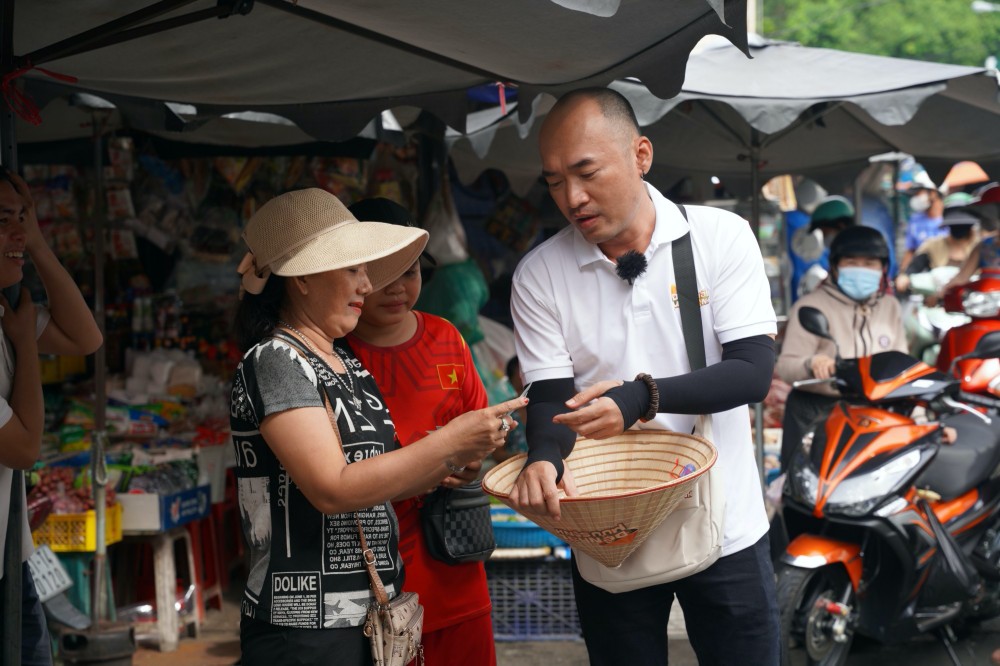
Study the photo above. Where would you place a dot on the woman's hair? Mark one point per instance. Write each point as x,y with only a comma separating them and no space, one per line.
257,315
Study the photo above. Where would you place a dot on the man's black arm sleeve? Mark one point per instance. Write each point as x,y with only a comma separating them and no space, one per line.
741,377
547,440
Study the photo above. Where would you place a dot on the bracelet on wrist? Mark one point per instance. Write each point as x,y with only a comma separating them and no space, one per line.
654,396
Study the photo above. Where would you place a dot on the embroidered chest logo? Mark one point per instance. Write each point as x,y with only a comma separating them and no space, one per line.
702,297
451,375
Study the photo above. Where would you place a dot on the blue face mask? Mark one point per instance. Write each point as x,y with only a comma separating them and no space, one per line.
858,283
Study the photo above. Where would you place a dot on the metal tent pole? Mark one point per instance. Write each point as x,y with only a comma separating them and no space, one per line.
99,476
758,408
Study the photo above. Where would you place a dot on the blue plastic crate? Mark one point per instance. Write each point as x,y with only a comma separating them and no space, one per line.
533,600
519,533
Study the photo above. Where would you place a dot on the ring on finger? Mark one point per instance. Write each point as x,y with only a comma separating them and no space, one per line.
504,426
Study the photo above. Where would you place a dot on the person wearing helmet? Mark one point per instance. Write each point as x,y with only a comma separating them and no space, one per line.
862,323
832,215
985,206
803,250
948,250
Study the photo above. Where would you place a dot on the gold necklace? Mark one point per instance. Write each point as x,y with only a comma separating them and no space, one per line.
349,386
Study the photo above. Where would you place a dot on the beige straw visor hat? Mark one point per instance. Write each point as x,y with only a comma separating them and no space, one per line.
311,231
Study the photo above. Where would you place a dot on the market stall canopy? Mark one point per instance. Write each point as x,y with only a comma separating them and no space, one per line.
71,116
792,109
330,66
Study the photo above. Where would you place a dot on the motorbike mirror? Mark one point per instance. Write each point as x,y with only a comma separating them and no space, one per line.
988,346
815,322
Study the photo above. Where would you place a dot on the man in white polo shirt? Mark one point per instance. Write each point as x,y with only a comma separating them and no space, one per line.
579,322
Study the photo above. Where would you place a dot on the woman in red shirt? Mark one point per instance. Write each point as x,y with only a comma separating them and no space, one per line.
425,372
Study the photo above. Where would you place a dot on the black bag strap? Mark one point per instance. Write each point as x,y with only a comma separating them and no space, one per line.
687,297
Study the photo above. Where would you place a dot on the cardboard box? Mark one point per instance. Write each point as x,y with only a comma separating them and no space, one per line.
149,512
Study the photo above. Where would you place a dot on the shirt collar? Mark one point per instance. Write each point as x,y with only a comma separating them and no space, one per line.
668,227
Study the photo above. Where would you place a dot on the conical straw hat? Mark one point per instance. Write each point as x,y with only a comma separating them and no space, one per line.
627,485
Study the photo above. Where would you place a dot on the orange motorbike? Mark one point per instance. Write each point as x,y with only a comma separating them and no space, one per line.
892,506
979,300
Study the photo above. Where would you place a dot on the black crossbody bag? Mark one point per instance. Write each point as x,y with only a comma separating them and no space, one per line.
457,525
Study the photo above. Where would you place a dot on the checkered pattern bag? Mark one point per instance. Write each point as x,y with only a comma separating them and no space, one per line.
457,524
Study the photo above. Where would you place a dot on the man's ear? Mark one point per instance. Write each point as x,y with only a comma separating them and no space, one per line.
300,283
643,154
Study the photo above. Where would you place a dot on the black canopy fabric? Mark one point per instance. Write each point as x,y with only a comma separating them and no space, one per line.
332,65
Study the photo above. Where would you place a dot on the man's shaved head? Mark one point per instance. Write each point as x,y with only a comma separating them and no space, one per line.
613,105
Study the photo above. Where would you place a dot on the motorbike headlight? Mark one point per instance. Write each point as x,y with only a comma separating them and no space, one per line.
858,495
802,481
981,303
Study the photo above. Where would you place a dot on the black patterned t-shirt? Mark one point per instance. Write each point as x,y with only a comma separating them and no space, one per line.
306,568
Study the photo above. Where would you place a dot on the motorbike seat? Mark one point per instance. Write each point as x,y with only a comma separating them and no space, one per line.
970,460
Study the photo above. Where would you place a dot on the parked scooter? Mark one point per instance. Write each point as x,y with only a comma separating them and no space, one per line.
894,521
979,300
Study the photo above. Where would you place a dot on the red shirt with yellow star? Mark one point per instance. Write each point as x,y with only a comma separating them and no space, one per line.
426,382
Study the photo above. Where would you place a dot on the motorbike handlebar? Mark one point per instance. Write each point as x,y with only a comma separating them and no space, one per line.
811,382
978,400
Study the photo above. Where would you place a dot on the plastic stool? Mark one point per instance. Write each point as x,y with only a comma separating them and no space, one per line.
207,566
163,544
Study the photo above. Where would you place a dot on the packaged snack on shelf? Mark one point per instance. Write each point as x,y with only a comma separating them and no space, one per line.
65,240
122,244
73,438
120,203
44,208
120,151
35,172
63,204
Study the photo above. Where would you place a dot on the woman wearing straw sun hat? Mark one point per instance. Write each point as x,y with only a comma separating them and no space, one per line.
301,479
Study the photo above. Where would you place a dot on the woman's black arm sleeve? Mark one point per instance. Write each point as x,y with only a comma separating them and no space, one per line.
741,377
547,440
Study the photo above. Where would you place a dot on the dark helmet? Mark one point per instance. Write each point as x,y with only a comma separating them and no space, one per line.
859,242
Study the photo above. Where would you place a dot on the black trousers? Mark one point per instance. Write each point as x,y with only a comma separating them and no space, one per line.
730,610
36,648
802,408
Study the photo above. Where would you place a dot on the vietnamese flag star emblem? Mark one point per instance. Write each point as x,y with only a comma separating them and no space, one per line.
451,375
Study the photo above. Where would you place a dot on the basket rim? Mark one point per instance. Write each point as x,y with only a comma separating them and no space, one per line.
510,462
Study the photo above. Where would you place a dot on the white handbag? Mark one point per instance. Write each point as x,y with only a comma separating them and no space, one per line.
688,540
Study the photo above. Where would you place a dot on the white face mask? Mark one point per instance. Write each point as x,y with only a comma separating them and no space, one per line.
920,202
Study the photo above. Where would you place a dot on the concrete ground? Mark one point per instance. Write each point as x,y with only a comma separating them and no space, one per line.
218,645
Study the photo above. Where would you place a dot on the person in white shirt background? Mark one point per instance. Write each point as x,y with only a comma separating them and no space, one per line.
66,327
